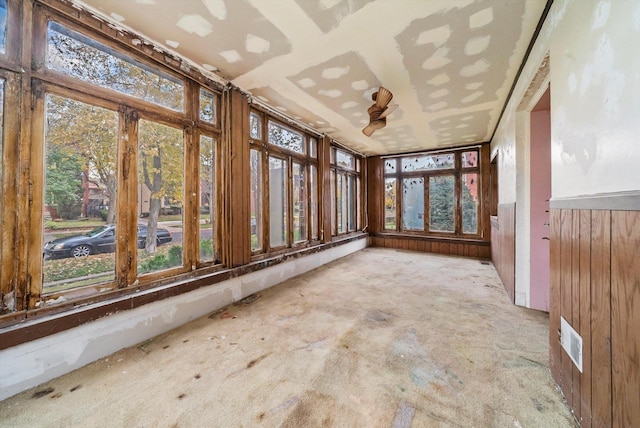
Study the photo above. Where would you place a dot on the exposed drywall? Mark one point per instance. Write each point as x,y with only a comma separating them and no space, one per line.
38,361
449,64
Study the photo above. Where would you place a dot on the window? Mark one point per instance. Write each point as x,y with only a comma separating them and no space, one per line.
277,201
80,182
289,176
76,55
256,199
207,106
3,25
160,196
207,217
440,193
345,191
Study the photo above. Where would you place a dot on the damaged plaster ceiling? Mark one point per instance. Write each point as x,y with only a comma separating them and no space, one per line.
449,63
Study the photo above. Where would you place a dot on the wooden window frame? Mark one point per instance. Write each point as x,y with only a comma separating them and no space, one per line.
356,173
457,172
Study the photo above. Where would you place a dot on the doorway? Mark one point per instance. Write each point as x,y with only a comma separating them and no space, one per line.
540,193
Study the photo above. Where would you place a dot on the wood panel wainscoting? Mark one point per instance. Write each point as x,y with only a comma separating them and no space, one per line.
474,249
595,287
503,246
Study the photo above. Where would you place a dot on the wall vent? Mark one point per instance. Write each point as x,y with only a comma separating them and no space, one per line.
571,343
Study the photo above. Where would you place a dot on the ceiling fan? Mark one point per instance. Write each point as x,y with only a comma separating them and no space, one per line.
379,110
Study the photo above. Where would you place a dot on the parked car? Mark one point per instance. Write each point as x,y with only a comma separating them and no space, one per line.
99,240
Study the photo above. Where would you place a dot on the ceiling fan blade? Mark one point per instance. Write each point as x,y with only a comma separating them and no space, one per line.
368,130
390,109
383,97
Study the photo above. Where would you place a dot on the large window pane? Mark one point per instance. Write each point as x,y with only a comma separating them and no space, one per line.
351,224
390,204
160,196
80,184
79,56
206,221
441,203
332,183
313,189
277,202
3,24
299,203
285,137
256,200
341,189
413,203
470,203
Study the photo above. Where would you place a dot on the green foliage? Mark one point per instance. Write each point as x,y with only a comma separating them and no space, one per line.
162,260
64,183
206,248
441,203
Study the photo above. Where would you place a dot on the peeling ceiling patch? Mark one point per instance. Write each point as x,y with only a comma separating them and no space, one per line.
210,67
477,45
117,17
349,104
231,56
334,72
146,1
332,93
328,4
360,85
172,43
440,93
195,24
257,45
473,86
478,67
440,79
216,8
437,36
306,82
481,18
472,97
437,60
437,106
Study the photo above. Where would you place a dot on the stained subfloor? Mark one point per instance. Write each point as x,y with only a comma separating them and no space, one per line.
380,338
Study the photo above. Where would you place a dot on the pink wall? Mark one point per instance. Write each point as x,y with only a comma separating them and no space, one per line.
540,195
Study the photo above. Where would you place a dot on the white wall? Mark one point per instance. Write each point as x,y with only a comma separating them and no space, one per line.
39,361
595,80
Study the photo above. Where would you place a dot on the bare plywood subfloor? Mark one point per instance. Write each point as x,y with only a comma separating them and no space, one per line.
381,338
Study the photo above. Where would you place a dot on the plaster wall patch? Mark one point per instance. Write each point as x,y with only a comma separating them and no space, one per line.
195,24
601,15
349,104
439,93
258,45
216,8
481,18
473,86
306,82
440,79
328,4
146,1
331,93
478,67
334,72
437,106
172,43
360,85
472,97
117,17
437,60
231,56
438,36
477,45
210,67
